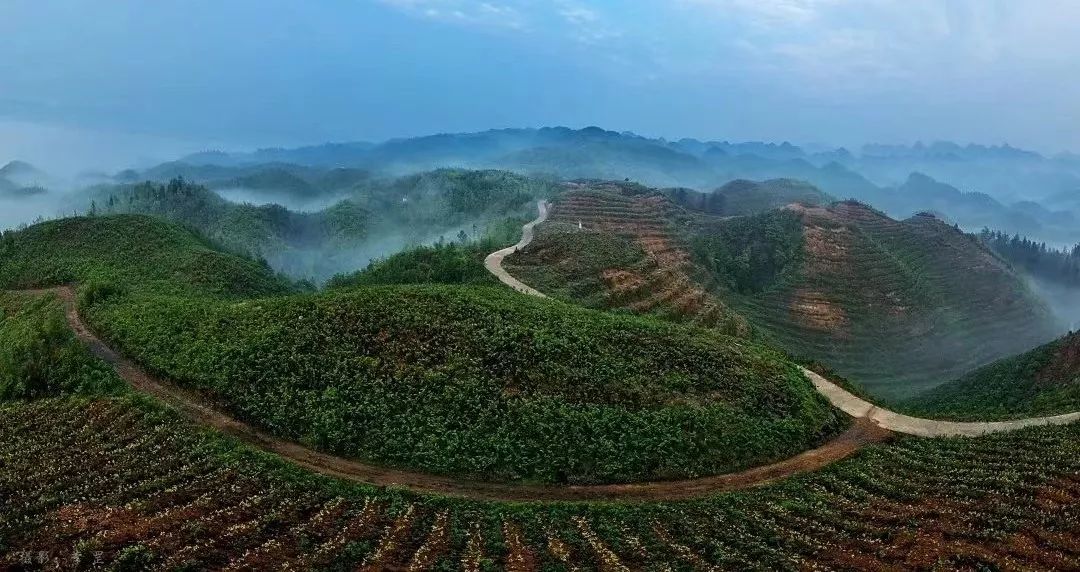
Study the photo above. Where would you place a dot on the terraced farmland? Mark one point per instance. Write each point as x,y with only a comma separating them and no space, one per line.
651,269
114,482
473,382
897,306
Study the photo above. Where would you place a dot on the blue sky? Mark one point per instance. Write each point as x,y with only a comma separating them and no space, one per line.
119,80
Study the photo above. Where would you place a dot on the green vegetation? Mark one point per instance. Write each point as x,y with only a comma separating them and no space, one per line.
459,380
39,355
741,197
1035,258
481,382
1043,381
897,306
115,254
547,266
111,480
748,255
441,263
244,228
376,216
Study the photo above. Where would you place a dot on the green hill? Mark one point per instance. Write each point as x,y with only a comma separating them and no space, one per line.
898,306
472,381
1043,381
129,253
39,355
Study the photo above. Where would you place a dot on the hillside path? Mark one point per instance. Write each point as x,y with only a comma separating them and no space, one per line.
494,261
202,411
839,397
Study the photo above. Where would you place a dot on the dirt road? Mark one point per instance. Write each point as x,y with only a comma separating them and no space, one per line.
199,410
494,261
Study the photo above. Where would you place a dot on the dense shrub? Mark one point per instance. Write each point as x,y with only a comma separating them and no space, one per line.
39,355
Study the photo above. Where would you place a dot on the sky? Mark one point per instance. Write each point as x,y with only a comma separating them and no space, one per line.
94,84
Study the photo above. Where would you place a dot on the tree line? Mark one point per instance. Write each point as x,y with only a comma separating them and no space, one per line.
1036,258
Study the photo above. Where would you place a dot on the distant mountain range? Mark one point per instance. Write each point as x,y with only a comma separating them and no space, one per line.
974,186
971,185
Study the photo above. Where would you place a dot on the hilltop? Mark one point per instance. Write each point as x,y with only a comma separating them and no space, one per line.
899,306
742,197
20,170
126,253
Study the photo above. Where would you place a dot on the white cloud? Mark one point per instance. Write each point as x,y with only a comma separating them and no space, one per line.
860,45
467,12
586,25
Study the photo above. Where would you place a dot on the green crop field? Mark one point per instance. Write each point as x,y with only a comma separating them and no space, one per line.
470,381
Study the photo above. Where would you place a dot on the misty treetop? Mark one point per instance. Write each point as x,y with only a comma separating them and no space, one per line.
1061,266
374,218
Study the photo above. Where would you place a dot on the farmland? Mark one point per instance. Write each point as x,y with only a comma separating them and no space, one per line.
78,489
386,366
468,381
899,306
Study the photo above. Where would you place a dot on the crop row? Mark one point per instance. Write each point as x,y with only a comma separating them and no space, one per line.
116,482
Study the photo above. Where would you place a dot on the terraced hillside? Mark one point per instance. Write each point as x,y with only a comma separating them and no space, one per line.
898,306
115,483
617,247
1043,381
468,381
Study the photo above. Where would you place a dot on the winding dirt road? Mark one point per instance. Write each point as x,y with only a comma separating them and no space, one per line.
494,261
840,398
871,425
199,410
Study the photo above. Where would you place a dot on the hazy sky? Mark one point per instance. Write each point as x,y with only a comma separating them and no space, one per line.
114,81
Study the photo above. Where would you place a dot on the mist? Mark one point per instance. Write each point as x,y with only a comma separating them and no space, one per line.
23,210
287,200
1064,302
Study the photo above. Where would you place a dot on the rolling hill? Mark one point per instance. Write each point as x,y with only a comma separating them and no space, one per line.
898,306
900,181
468,381
133,485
